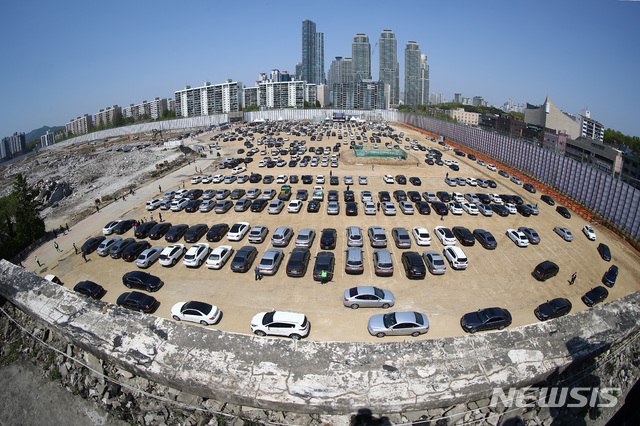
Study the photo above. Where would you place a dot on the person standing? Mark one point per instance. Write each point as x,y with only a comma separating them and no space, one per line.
75,248
151,215
160,216
573,278
256,270
55,244
323,276
159,188
84,256
37,260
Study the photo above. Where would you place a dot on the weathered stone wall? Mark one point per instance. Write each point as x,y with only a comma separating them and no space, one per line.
427,377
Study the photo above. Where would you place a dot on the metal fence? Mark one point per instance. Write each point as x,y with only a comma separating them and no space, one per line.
615,200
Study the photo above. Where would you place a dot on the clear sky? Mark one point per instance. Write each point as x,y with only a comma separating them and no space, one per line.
62,59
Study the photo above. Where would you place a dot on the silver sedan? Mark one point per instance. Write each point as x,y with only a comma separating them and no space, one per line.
368,297
406,323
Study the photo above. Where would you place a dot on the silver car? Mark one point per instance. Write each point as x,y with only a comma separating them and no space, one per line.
435,262
305,237
388,208
333,207
105,246
281,236
354,236
354,263
377,236
564,233
401,237
270,261
147,257
382,262
531,234
406,323
368,297
258,234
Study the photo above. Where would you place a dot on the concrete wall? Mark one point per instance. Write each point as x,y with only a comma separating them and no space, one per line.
321,377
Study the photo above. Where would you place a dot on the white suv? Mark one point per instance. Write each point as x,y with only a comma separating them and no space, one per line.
280,323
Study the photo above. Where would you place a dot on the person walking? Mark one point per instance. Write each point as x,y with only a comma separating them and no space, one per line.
378,205
159,188
256,270
323,276
55,244
84,256
75,248
151,215
573,278
66,225
160,216
37,260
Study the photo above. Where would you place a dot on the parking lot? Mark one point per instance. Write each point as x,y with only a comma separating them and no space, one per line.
500,277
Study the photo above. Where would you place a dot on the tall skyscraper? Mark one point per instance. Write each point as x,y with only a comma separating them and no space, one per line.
361,57
312,69
412,89
424,80
389,68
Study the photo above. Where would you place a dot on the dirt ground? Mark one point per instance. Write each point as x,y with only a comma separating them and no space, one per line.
501,277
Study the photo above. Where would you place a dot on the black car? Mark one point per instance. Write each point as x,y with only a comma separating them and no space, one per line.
464,235
553,309
500,209
176,232
414,196
413,265
258,205
609,278
217,231
440,208
313,206
564,212
547,199
333,180
351,209
415,181
243,259
485,238
506,198
193,206
159,230
401,179
454,167
255,177
132,252
328,239
492,183
307,179
302,195
484,198
142,281
237,193
138,301
194,194
298,262
471,157
90,289
423,207
116,250
443,196
400,195
517,200
384,196
604,251
486,319
196,232
293,179
524,210
529,187
349,196
123,226
143,230
503,173
325,261
92,244
595,295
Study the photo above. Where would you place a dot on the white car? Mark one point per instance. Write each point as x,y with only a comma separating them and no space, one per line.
147,257
471,182
421,235
294,206
366,196
455,207
320,179
275,207
196,255
495,199
491,167
406,207
348,180
217,178
470,208
518,237
388,208
181,193
457,197
445,235
282,179
196,179
280,323
178,205
362,180
388,178
108,228
219,256
238,170
511,207
207,178
369,208
262,163
171,254
588,231
195,311
456,257
238,231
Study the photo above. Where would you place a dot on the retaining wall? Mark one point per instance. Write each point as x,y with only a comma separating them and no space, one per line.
322,377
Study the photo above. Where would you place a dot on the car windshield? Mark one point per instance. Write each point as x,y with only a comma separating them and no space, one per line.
268,318
389,320
267,262
378,292
482,315
214,256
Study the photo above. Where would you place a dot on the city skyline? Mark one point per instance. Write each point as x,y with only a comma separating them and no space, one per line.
56,70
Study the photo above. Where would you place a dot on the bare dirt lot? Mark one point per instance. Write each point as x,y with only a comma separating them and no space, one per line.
500,277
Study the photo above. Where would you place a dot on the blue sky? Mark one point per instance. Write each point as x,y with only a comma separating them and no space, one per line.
66,58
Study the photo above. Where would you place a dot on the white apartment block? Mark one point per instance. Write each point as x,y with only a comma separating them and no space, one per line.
47,139
79,125
285,94
208,99
106,116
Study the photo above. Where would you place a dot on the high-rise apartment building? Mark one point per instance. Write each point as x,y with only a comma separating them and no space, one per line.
106,116
361,58
389,67
47,139
13,146
208,99
424,80
361,95
79,125
412,73
285,94
312,68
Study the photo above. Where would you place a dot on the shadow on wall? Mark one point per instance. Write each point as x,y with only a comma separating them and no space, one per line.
365,418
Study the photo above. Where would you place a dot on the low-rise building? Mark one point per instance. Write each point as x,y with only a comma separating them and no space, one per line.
471,118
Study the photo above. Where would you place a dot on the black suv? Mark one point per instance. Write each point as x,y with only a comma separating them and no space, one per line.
328,239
